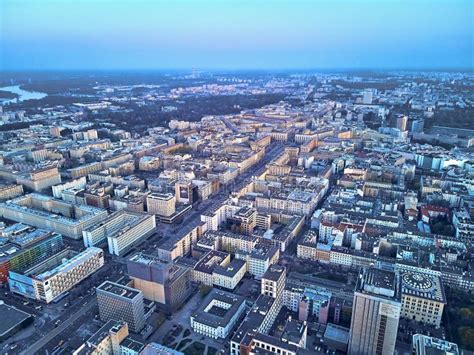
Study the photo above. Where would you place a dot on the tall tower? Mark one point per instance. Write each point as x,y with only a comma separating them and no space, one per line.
375,313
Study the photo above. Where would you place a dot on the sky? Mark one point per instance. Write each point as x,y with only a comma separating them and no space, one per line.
240,34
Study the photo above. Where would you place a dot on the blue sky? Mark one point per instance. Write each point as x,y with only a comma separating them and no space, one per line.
226,34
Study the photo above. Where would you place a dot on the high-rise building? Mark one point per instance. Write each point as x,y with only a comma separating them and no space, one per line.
401,122
186,192
120,302
367,97
161,204
164,282
376,312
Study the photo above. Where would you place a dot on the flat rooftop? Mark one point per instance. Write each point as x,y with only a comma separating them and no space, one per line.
118,290
379,282
11,318
423,286
215,315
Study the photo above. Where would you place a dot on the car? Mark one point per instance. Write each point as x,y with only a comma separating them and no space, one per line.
26,303
39,308
14,346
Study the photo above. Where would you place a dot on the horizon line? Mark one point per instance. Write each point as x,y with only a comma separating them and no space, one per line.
255,69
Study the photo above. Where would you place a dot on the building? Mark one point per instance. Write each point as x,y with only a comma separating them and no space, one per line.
158,349
367,97
120,302
423,297
295,333
46,212
425,345
121,230
229,276
9,191
161,281
252,335
78,184
33,180
13,320
186,192
161,204
259,259
28,249
265,344
106,340
218,314
273,282
336,337
243,221
376,312
56,275
203,270
85,170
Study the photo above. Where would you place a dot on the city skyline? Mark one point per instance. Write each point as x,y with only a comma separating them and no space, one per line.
237,177
236,35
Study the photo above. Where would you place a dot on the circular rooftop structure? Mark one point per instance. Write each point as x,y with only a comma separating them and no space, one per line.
418,281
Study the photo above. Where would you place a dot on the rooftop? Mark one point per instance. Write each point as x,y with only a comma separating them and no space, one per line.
379,282
118,290
11,318
214,315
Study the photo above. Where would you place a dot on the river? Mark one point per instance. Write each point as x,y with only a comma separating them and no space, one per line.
22,94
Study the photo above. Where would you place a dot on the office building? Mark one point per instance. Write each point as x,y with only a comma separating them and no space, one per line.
218,314
28,249
123,303
46,212
56,275
36,179
376,312
367,97
423,297
161,204
273,282
164,282
121,230
186,192
259,259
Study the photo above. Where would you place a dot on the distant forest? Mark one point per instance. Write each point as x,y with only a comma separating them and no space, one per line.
189,109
